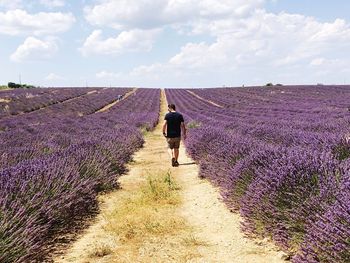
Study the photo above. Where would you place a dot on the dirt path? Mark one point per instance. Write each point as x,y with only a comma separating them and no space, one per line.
107,107
209,101
198,228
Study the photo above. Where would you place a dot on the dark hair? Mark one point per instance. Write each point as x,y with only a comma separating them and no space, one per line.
172,106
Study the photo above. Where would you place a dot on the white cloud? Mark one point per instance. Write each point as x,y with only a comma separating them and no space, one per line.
238,39
245,34
259,48
318,62
157,13
53,77
53,3
34,49
266,39
200,55
326,63
19,22
107,75
127,41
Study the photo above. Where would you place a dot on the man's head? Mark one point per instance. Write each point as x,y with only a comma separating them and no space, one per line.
171,107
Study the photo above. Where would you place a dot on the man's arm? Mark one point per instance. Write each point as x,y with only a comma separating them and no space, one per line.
164,127
183,127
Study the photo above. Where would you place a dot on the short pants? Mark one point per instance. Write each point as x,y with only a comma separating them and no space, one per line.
174,143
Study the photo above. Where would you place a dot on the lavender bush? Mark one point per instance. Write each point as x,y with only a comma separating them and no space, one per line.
13,102
55,171
279,156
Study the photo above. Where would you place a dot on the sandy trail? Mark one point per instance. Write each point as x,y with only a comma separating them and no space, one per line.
107,107
203,99
216,231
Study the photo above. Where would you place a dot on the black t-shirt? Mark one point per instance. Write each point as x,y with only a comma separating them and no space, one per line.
174,120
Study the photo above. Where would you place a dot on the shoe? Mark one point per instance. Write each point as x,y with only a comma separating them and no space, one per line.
176,164
173,162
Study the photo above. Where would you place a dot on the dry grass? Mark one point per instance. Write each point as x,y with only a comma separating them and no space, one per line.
144,224
193,241
147,212
101,249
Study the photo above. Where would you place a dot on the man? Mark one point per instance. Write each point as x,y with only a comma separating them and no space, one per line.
173,124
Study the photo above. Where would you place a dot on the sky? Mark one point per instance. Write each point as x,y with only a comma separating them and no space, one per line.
174,43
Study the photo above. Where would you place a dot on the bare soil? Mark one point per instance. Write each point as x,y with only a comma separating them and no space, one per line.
209,101
107,107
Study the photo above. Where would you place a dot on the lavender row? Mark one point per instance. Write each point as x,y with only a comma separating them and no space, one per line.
137,115
285,168
33,128
18,101
85,104
282,127
71,159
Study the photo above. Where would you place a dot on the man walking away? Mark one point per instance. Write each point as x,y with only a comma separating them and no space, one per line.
173,124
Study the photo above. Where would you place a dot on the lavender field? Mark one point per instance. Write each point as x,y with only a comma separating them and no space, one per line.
57,153
280,156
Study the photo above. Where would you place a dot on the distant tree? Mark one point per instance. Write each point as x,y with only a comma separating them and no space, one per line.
13,85
269,84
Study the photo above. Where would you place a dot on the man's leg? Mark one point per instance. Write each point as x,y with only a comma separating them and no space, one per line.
176,153
176,149
170,148
171,153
